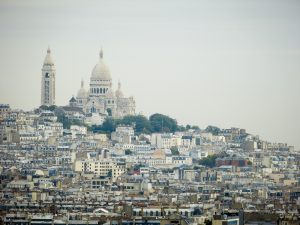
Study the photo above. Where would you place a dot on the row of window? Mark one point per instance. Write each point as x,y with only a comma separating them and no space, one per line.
159,213
99,90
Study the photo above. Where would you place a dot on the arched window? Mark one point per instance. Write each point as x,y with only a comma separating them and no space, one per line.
101,90
97,90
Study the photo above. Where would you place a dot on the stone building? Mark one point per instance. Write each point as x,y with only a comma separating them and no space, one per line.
101,98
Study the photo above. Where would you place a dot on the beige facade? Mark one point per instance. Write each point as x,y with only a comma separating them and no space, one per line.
101,167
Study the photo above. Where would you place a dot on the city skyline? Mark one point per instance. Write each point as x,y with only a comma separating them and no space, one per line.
233,66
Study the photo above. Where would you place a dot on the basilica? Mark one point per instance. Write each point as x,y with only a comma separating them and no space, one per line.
101,98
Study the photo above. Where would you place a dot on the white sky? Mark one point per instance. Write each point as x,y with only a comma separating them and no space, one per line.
233,63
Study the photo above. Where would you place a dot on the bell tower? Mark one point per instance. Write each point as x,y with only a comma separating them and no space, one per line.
48,81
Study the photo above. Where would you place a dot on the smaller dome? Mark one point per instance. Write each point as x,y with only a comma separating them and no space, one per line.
82,93
48,59
119,93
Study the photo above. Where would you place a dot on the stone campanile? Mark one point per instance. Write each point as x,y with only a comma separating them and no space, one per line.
48,81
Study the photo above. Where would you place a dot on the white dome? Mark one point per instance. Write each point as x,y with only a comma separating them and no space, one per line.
82,93
119,93
48,59
100,70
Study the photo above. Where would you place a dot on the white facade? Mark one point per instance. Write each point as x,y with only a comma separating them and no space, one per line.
125,130
101,167
143,149
101,98
123,134
95,119
54,129
48,81
162,140
78,130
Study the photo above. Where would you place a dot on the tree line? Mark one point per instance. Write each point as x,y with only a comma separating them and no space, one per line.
156,123
141,124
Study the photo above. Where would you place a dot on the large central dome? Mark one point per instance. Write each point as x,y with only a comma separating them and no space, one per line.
101,71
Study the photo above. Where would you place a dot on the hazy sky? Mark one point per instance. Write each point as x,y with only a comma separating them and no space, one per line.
229,63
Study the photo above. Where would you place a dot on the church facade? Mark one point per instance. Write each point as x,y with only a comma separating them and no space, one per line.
100,98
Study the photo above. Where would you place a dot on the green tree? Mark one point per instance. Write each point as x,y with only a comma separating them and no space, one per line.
141,123
97,129
62,118
128,152
44,107
174,150
109,125
195,127
52,108
207,222
66,121
109,112
209,161
180,128
212,129
137,167
163,123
